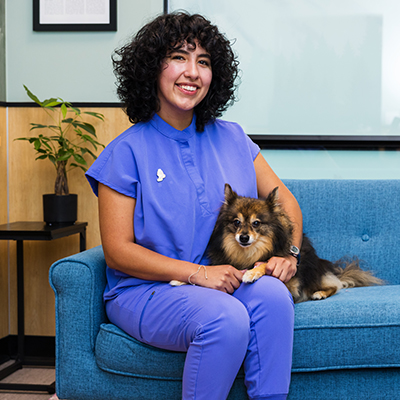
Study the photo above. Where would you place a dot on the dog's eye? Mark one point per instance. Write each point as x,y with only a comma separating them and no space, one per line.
256,224
236,223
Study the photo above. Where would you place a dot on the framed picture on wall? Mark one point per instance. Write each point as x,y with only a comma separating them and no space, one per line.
74,15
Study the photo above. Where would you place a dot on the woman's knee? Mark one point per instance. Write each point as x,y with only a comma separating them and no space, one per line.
224,318
268,293
276,291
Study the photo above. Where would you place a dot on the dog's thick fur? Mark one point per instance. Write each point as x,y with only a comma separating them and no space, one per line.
250,230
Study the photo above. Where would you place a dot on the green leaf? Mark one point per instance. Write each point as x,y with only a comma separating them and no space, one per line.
73,165
78,132
92,154
64,157
86,138
41,157
77,111
79,159
38,126
33,97
51,103
44,141
37,144
97,143
64,110
94,114
89,139
88,128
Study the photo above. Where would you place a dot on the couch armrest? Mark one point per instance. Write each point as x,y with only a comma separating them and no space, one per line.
78,282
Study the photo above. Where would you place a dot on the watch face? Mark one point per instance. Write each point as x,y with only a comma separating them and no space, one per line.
294,250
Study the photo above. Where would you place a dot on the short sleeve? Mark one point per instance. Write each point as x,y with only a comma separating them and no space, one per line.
253,147
115,168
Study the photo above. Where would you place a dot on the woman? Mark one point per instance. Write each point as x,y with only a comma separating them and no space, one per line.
160,185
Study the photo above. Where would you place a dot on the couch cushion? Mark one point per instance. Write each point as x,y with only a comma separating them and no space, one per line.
356,328
120,353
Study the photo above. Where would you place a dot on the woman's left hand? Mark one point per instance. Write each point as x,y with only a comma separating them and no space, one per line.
282,268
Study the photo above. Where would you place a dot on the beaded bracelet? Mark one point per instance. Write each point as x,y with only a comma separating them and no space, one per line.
198,270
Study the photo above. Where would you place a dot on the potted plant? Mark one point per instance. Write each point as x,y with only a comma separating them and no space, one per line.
65,143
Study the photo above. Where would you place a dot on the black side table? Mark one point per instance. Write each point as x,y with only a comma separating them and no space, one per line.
21,231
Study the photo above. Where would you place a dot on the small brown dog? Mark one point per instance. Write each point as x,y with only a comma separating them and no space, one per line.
250,230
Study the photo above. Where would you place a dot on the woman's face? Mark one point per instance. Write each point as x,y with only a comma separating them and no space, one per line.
183,83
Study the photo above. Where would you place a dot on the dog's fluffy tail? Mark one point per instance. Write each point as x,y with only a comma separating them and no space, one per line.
351,275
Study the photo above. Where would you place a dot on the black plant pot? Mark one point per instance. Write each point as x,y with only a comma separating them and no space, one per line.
60,209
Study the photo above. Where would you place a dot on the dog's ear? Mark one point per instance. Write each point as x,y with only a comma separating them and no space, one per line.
230,195
272,199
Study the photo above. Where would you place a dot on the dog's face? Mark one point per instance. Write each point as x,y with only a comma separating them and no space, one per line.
253,229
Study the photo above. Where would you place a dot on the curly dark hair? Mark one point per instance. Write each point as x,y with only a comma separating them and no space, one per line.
137,66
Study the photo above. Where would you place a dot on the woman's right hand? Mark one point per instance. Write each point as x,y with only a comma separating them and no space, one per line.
219,277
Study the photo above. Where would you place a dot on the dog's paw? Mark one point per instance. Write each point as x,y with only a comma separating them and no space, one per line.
177,283
252,275
320,295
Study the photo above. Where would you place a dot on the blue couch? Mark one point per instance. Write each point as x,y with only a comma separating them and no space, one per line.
345,347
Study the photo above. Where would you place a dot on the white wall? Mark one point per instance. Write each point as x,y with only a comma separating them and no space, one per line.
2,52
312,66
334,164
75,66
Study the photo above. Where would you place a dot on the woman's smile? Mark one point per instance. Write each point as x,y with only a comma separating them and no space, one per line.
187,88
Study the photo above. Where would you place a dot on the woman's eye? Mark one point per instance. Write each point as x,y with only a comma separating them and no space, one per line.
236,223
256,224
206,63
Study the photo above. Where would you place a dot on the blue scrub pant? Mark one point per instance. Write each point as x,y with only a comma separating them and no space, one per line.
219,331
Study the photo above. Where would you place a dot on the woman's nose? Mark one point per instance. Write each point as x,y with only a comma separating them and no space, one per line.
191,70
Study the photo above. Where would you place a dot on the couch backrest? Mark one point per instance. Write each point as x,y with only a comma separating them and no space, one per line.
353,218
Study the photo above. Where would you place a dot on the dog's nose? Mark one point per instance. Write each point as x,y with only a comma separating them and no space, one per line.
244,238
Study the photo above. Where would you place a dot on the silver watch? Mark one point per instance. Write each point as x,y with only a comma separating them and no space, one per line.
295,252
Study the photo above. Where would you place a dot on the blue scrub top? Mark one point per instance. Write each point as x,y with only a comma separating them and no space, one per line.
177,178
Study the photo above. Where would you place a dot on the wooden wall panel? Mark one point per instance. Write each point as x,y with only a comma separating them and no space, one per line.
4,328
29,180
